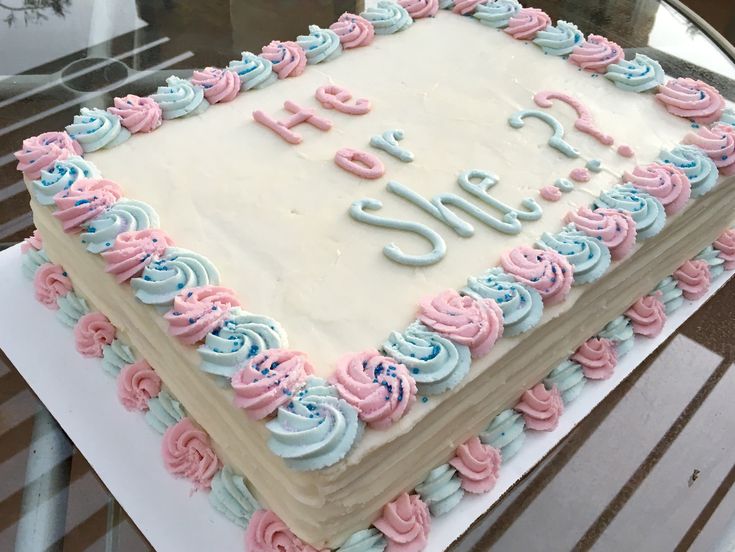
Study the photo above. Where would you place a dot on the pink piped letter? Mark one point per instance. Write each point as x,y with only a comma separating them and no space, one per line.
359,163
336,97
299,115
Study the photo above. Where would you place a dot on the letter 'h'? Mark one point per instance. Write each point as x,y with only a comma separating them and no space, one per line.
300,115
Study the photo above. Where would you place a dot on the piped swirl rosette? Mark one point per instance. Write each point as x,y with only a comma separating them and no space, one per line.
231,497
521,305
92,332
568,377
474,322
366,540
597,357
243,335
647,211
133,251
188,453
220,85
124,216
693,279
198,311
466,7
695,164
405,523
320,45
526,23
505,433
478,465
436,363
381,389
115,356
589,257
315,429
640,74
718,142
387,17
95,129
269,380
692,99
40,152
496,14
559,40
725,245
541,407
266,532
137,114
596,54
711,256
50,282
353,31
620,332
71,309
665,182
60,176
647,315
418,9
176,269
84,200
163,412
614,228
441,490
671,296
179,98
254,71
288,59
137,384
548,272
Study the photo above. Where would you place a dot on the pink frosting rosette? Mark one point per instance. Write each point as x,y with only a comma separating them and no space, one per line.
288,59
267,533
691,99
693,279
405,524
381,389
665,182
596,53
33,242
49,283
198,311
220,85
188,453
718,142
92,332
647,315
541,407
598,358
353,31
40,152
84,200
137,384
478,465
269,380
466,7
546,271
137,114
418,9
725,245
476,323
133,251
615,228
526,23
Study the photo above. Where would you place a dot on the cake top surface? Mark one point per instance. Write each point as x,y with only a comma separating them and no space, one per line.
273,217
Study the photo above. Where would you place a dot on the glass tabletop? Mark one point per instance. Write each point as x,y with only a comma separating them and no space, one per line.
669,487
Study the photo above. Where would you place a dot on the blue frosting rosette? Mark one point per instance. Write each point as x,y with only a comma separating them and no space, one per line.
61,176
441,490
647,212
367,540
639,74
620,332
671,294
126,215
319,45
116,356
522,306
589,256
435,362
163,412
712,257
568,378
254,71
71,309
559,40
95,129
242,336
179,98
231,497
387,17
505,433
315,429
696,164
496,14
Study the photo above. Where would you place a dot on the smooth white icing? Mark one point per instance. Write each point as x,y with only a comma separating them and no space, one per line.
274,217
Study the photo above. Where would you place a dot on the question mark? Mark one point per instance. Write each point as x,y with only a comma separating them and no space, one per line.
584,121
557,139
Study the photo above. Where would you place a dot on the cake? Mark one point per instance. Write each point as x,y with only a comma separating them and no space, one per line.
344,276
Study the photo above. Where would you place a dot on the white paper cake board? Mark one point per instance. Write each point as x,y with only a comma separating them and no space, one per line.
125,452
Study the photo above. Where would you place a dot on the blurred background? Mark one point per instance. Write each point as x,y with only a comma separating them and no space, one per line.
57,55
